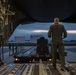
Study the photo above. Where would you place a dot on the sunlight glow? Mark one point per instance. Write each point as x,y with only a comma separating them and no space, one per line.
38,31
45,31
71,31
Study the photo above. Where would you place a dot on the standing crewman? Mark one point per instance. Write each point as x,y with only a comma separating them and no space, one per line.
58,33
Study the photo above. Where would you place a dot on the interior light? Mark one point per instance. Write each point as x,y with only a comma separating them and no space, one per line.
16,59
50,59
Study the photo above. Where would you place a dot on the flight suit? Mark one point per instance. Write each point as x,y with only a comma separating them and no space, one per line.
58,33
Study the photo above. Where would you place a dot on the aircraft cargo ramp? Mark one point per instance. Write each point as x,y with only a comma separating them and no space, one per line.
37,68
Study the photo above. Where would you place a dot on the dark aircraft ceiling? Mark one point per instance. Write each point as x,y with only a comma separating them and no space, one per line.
47,10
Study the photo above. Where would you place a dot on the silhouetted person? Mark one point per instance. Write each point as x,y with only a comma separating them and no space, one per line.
58,33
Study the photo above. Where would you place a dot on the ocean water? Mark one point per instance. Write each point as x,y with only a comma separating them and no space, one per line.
41,28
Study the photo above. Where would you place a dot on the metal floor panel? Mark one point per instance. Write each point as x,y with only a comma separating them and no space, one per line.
44,68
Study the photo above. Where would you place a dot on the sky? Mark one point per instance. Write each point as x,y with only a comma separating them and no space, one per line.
41,28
